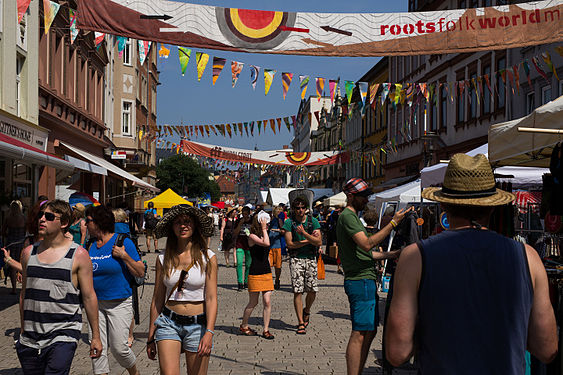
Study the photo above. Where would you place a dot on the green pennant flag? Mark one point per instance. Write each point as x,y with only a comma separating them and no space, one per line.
349,87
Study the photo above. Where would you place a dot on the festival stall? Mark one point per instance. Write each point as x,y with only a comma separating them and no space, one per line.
338,200
404,194
281,195
166,200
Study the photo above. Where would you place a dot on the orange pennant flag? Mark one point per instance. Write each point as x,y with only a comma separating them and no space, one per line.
273,125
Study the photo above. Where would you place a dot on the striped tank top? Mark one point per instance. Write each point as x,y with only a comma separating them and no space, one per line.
51,306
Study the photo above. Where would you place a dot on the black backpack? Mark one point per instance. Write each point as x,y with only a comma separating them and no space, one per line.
136,281
150,220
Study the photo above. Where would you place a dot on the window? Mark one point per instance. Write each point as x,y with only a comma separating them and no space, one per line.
127,52
473,3
462,4
153,100
501,65
545,94
126,118
486,92
487,3
20,61
530,102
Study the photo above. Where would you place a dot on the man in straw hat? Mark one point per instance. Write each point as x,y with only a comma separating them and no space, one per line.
359,262
477,299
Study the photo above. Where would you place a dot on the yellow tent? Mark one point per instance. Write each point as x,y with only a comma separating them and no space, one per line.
166,199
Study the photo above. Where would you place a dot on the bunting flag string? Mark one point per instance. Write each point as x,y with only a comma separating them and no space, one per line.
218,65
201,61
236,68
349,88
303,82
121,41
320,87
184,54
254,72
99,38
286,81
332,85
72,22
268,79
163,52
50,10
363,86
22,8
144,47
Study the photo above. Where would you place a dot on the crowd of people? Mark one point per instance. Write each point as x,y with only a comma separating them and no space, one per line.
74,258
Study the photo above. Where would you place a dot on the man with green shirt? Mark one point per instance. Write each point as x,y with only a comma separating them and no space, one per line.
358,259
303,239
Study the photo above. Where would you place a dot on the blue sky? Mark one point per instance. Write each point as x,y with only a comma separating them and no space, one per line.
184,99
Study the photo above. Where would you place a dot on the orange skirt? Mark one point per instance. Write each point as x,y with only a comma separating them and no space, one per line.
260,283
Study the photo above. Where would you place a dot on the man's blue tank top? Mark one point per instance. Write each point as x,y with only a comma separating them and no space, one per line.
475,298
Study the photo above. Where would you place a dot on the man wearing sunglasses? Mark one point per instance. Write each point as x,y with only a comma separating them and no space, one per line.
303,240
57,274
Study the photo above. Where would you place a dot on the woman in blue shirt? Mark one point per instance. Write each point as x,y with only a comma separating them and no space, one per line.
113,266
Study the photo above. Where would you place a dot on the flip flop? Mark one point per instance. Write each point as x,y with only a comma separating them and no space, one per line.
301,329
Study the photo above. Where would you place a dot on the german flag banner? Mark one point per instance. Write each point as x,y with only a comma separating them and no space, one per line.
272,157
326,34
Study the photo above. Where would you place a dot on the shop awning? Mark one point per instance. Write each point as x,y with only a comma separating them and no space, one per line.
112,168
15,149
85,166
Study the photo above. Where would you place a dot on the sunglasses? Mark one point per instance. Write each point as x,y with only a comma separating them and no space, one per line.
182,278
88,220
299,208
49,216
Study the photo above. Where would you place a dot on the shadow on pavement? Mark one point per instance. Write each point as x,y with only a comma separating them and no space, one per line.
333,315
8,300
11,371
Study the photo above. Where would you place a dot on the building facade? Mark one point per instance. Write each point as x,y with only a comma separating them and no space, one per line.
467,96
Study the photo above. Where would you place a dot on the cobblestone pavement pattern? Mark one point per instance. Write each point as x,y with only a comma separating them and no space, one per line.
320,351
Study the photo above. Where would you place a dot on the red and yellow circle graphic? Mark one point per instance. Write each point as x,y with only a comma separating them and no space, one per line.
298,158
257,29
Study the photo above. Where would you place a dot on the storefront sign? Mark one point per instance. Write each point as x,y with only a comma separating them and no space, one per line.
23,133
119,154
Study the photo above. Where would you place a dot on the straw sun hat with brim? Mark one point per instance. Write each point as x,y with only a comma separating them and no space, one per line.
204,222
469,181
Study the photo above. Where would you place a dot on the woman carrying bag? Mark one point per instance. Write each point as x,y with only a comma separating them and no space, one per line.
184,304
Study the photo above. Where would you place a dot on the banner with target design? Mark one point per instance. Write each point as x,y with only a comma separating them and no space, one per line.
272,157
327,34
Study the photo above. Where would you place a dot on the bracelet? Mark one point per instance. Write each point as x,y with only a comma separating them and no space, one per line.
210,331
8,259
393,223
150,341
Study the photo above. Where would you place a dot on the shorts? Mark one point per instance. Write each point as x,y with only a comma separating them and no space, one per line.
53,359
189,335
363,298
303,275
149,232
275,257
260,283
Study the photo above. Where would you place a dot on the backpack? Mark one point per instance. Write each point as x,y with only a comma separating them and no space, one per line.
150,220
136,281
308,229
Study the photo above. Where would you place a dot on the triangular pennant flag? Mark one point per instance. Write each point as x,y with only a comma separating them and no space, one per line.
72,24
254,72
332,86
527,71
218,65
252,128
349,88
516,77
320,87
246,128
363,86
201,130
303,82
240,128
287,124
279,120
163,52
236,68
384,92
286,81
207,130
142,52
259,126
121,43
536,63
547,59
373,94
510,79
201,60
273,123
184,54
488,82
221,129
22,8
50,10
559,50
98,38
268,79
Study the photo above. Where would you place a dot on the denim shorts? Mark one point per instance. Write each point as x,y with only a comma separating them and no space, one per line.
364,312
189,335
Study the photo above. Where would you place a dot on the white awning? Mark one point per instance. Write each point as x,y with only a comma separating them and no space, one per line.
16,149
112,168
85,166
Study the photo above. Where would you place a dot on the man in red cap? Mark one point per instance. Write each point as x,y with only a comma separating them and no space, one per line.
358,254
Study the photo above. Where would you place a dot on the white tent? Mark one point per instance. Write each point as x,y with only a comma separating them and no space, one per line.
281,195
508,146
338,200
522,176
403,194
262,197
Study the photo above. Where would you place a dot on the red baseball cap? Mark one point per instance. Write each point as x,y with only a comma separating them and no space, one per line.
357,186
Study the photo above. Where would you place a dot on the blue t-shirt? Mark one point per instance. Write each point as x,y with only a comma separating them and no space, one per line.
275,236
111,276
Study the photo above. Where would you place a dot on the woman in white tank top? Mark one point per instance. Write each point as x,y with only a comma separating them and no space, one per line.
184,304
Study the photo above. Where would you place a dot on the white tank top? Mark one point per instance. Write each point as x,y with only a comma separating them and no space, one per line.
193,289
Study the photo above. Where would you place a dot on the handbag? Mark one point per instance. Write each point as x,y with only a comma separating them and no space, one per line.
320,268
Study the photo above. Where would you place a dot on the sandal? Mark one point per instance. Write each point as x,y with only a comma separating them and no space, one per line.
267,335
306,318
247,331
301,329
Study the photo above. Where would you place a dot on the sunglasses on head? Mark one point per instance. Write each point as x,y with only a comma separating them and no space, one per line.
49,216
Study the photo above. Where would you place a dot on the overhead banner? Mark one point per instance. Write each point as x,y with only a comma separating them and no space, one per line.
264,157
326,34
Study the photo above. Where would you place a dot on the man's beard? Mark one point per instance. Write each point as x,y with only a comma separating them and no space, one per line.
358,205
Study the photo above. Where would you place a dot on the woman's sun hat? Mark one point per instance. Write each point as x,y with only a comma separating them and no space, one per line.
204,222
469,181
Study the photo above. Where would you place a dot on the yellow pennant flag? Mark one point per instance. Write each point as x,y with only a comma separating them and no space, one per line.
268,79
201,60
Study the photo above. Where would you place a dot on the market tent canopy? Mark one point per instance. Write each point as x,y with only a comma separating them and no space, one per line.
508,146
406,193
281,195
167,199
338,200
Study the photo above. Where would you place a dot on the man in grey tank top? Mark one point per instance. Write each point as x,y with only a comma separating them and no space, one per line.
477,300
50,312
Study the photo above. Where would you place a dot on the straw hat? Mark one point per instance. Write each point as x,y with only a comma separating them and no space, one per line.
204,222
80,207
469,181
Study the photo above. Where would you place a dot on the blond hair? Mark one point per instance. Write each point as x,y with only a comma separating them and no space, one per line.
120,215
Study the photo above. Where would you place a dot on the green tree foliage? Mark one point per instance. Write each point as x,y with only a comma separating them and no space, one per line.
184,175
